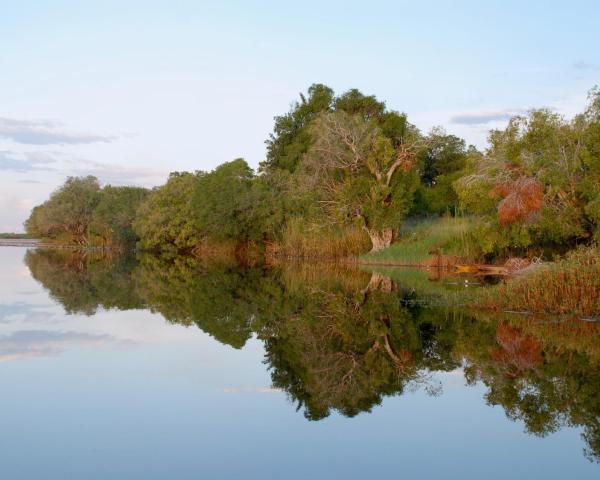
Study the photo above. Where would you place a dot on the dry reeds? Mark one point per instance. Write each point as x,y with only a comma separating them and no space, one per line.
570,286
302,241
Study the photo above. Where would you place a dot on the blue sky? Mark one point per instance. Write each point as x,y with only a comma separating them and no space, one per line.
129,91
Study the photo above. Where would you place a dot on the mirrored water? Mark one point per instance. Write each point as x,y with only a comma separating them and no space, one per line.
148,368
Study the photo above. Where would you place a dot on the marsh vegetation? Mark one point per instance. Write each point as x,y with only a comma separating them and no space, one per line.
346,177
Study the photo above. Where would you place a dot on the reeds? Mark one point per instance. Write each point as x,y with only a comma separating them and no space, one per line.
570,286
308,241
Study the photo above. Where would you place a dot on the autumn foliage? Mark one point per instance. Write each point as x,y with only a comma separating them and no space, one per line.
521,199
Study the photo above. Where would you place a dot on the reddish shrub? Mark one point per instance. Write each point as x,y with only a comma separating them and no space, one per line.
521,199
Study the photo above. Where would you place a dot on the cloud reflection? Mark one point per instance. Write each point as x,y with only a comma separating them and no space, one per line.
43,343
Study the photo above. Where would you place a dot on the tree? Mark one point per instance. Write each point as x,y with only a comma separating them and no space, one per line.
290,138
68,211
589,186
113,217
230,203
542,176
441,164
359,175
165,219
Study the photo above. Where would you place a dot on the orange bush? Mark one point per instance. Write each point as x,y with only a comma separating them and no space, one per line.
521,199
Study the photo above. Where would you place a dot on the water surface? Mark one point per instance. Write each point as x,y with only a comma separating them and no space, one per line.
145,368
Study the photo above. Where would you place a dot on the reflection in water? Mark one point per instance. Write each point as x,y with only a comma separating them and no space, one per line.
341,340
37,343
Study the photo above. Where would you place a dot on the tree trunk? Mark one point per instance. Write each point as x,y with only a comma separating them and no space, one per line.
381,283
381,238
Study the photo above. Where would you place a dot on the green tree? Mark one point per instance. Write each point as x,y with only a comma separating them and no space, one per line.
68,211
113,217
542,176
359,175
290,138
442,164
589,186
231,203
165,219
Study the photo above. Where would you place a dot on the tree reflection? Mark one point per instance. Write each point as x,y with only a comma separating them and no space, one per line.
341,340
84,281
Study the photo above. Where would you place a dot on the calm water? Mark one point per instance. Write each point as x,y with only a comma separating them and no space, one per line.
149,369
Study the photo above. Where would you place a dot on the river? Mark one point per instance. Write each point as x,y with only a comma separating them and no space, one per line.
127,368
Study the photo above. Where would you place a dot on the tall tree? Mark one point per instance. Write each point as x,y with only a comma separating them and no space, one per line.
359,175
113,217
165,219
290,138
231,203
68,211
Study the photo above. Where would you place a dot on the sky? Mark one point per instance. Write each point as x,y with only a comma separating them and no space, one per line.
131,90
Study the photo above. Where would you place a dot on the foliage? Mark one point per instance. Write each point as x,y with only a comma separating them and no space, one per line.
113,217
349,160
68,211
290,138
337,164
361,178
231,203
441,164
539,181
165,219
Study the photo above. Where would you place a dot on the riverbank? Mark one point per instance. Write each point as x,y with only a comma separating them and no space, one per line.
433,242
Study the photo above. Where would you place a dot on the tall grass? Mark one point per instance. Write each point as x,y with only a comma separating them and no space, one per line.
446,235
308,241
570,286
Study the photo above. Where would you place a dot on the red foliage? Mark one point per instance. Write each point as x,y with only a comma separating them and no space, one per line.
407,165
519,351
521,199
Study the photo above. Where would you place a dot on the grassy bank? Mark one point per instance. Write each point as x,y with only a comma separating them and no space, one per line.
446,235
570,286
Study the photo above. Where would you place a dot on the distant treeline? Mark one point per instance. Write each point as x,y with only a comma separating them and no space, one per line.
10,236
340,175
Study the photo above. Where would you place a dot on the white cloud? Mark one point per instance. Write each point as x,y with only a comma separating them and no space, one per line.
45,132
485,117
26,162
41,343
582,65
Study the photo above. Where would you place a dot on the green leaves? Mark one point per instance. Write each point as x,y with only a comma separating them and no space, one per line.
68,212
113,217
231,203
165,220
